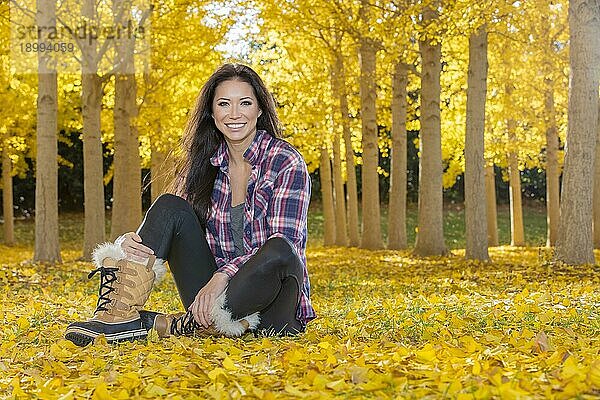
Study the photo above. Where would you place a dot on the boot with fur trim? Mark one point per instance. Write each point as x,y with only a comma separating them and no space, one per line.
124,288
184,324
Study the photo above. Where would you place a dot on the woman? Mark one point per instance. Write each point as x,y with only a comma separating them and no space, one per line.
234,232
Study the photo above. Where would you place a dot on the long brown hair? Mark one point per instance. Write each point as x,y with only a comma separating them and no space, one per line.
195,175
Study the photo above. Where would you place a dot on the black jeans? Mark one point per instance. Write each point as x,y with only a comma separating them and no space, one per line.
269,282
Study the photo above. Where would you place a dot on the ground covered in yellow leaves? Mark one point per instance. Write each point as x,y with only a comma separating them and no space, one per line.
389,326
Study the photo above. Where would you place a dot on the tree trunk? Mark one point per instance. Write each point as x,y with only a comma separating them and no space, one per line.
574,244
7,196
47,246
516,209
93,184
596,207
430,235
341,234
352,195
127,203
475,205
371,217
490,201
327,195
517,236
160,177
552,167
397,191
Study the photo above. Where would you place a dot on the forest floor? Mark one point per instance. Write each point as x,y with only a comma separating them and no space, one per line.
389,326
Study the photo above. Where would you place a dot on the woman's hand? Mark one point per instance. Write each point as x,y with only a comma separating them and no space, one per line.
206,297
131,243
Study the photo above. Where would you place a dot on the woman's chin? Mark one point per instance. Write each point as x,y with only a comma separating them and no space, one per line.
238,136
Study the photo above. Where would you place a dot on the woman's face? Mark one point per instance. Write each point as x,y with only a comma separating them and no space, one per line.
235,111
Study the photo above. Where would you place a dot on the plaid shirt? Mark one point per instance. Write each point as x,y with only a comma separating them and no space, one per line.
276,206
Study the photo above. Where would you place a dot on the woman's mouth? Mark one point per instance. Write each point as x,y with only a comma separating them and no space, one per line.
235,126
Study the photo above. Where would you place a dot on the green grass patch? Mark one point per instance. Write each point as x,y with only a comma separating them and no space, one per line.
534,222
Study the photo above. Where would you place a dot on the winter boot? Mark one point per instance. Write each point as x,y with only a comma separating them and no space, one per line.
184,323
124,288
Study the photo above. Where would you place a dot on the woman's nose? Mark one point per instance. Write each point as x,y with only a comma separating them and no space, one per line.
235,111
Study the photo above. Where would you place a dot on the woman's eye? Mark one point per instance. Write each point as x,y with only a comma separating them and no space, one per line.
246,103
222,104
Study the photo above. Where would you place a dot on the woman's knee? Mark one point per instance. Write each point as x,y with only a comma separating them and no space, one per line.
170,201
280,257
279,249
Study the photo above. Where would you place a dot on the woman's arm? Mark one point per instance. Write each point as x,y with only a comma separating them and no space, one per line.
286,214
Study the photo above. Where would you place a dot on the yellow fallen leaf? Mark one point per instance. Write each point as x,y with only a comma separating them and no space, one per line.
257,358
16,385
593,375
319,381
101,392
572,389
482,392
454,387
294,391
68,396
295,356
495,376
426,354
258,392
469,344
153,336
60,353
215,373
372,386
510,391
131,380
100,341
229,365
360,361
155,390
476,368
54,383
400,354
23,323
268,396
336,386
122,394
325,345
331,359
570,368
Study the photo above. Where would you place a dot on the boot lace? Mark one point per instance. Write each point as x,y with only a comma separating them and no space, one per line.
184,325
107,277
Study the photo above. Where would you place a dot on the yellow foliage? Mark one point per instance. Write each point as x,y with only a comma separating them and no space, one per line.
389,326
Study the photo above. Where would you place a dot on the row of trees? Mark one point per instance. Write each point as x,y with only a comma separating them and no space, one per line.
485,82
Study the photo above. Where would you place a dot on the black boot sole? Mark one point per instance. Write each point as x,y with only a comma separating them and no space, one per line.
83,340
83,333
79,339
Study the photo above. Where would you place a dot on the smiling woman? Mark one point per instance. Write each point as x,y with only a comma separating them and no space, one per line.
233,231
